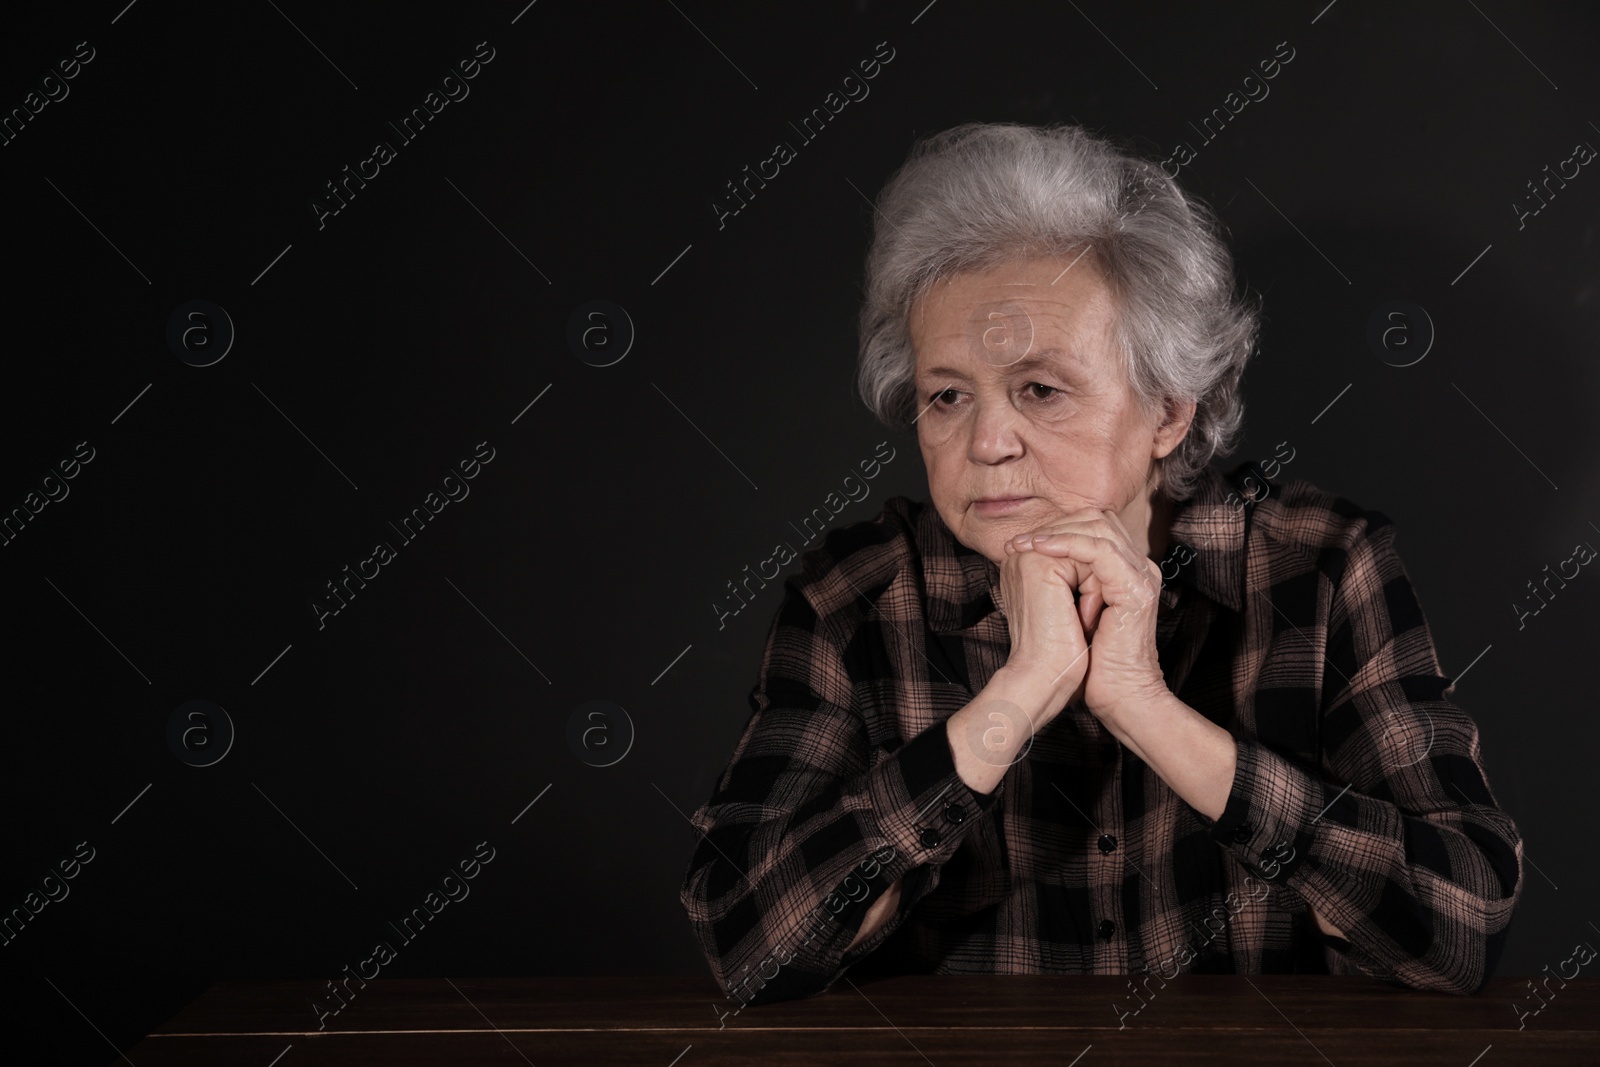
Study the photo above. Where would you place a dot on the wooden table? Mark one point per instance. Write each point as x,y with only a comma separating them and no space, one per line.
943,1020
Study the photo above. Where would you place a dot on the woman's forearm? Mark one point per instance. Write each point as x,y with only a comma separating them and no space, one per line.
989,733
880,912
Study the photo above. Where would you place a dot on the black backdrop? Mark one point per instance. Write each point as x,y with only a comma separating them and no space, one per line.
375,349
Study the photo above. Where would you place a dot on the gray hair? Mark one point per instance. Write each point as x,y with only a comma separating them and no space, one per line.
979,194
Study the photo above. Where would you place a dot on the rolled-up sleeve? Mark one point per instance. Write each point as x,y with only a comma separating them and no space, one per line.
1398,842
810,822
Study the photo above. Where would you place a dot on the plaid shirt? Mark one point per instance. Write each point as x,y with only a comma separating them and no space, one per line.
1285,617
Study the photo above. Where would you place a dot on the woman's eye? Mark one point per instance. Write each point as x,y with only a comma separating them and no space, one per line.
1036,391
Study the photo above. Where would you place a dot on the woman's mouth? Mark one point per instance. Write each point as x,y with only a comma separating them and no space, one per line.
999,505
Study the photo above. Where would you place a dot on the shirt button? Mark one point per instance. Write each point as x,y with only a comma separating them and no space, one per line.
931,837
1243,833
1107,928
955,813
1107,843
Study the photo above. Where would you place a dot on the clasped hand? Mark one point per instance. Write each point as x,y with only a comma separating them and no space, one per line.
1080,606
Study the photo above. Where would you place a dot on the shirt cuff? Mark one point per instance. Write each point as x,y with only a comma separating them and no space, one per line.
922,806
1267,822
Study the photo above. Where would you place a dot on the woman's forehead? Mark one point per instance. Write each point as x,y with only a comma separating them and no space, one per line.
1052,282
1000,318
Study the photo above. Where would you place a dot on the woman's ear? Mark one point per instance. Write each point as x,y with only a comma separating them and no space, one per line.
1177,417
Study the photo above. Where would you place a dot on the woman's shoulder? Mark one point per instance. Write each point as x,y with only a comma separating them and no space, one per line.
1319,524
861,548
862,558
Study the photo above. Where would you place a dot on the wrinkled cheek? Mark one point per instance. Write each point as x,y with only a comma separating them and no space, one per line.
1067,443
1076,462
941,434
945,471
935,450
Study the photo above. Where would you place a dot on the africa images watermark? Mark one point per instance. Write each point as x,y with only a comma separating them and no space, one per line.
855,889
16,120
51,888
1582,554
411,526
453,887
455,90
783,153
1583,954
855,491
53,486
1582,153
1221,915
1184,153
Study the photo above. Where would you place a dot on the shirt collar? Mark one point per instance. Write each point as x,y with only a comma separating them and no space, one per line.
1205,552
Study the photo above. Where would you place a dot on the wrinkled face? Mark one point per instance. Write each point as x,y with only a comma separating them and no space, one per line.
1025,413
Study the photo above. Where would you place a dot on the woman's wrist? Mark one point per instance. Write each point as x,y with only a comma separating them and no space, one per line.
996,728
1040,692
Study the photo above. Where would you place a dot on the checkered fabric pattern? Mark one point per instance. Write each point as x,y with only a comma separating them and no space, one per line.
1285,617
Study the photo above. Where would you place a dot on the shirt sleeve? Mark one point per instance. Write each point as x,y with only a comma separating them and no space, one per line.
1398,843
810,823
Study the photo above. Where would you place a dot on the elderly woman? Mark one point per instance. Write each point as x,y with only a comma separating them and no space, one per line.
1101,708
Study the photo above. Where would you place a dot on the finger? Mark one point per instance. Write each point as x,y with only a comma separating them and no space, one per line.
1102,536
1116,520
1023,541
1091,602
1072,520
1102,557
1098,526
1082,520
1051,539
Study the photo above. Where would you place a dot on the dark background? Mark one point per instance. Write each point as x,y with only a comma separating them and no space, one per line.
425,317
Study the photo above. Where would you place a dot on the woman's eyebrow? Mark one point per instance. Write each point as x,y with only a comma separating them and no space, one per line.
1048,357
